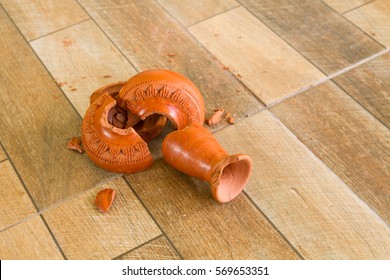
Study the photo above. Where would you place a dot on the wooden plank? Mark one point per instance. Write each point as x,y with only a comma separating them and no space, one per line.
85,233
82,59
345,5
307,202
40,17
15,203
189,12
276,69
29,240
315,30
201,228
157,249
346,137
39,121
3,156
158,41
369,85
374,18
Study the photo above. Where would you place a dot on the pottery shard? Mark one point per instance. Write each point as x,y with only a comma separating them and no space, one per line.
230,118
216,117
75,144
104,199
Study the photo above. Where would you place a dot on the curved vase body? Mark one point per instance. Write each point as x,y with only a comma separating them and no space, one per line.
195,151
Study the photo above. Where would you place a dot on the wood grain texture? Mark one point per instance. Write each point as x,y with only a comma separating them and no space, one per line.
307,202
40,17
346,138
369,85
199,227
316,31
15,203
189,12
3,156
158,249
85,233
276,69
82,59
39,121
374,18
345,5
29,240
155,40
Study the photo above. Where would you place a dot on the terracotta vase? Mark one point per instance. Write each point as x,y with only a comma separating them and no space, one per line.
195,151
165,93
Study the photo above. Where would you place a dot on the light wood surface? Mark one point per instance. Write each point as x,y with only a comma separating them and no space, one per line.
157,249
314,29
3,156
15,205
189,12
346,138
369,85
346,5
41,17
159,42
373,18
300,194
81,60
276,69
36,139
28,240
201,228
85,233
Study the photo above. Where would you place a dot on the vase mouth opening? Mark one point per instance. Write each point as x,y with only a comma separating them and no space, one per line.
234,176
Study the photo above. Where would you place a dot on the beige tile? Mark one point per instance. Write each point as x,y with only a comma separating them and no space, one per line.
40,17
3,156
307,202
82,59
158,249
374,18
29,240
16,204
85,233
189,12
261,59
343,6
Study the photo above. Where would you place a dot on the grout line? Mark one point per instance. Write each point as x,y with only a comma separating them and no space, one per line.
273,225
53,237
4,160
364,4
139,246
153,218
108,37
58,30
207,18
328,78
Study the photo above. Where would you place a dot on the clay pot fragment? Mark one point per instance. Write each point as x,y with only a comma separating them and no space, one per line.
104,199
195,151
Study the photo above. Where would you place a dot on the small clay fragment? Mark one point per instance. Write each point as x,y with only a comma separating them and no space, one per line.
75,144
230,118
104,199
216,117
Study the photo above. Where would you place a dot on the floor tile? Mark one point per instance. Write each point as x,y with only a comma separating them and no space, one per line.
189,12
307,202
369,85
85,233
345,5
158,249
16,204
315,30
373,18
41,17
29,240
81,60
39,121
276,69
3,156
347,138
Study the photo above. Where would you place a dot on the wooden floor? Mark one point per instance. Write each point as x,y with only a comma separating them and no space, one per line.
307,81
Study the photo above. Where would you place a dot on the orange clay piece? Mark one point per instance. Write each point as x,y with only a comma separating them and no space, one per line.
216,117
195,152
104,200
75,144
